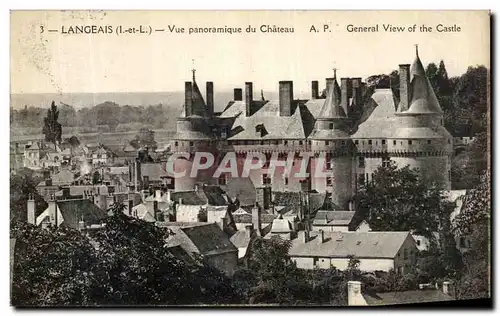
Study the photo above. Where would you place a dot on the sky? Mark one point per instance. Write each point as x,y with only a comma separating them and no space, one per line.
52,62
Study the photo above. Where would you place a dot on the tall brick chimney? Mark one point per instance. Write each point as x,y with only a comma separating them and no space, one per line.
248,98
286,98
356,91
345,93
238,94
210,98
404,87
188,97
263,197
256,220
314,90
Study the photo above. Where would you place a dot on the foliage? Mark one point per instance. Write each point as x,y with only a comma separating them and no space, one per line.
124,263
22,184
397,199
145,138
51,127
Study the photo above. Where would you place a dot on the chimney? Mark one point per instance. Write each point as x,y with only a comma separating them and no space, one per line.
356,91
137,174
157,194
248,98
248,231
354,296
404,87
256,220
210,98
81,225
321,237
180,201
31,209
314,90
48,182
304,236
109,200
286,97
263,197
65,193
155,210
345,93
223,223
169,197
188,98
145,182
53,211
238,94
17,148
130,205
196,187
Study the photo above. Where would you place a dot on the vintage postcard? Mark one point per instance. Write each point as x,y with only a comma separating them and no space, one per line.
260,158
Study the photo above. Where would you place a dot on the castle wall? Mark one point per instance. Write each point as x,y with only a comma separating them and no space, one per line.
341,183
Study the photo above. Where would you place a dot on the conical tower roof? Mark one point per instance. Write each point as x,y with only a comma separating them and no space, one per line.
331,108
423,97
199,106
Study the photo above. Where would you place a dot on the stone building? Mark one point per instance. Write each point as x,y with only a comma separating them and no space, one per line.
344,148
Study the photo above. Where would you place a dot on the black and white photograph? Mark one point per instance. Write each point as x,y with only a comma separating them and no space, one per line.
250,158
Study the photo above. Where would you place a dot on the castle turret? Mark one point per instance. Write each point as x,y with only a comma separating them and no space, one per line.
419,138
331,145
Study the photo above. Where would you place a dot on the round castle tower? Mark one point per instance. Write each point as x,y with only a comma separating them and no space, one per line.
411,133
419,138
194,134
330,140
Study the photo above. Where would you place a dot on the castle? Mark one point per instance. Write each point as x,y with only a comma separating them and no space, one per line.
408,131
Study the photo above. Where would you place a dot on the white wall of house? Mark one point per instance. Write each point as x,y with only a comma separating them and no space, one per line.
330,228
364,227
187,213
368,264
242,251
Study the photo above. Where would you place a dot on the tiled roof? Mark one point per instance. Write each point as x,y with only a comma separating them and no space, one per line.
206,239
73,211
241,239
406,297
345,244
188,198
333,218
247,218
206,194
287,198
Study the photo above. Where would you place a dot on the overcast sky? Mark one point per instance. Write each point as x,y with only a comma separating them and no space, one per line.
53,62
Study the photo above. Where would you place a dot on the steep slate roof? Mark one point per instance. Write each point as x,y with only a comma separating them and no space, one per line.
345,244
246,218
378,118
423,97
331,108
241,239
333,218
206,239
207,194
63,177
188,198
406,297
277,127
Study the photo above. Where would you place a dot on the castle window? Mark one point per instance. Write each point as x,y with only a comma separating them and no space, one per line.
329,181
262,142
428,141
383,141
369,142
327,143
356,142
191,144
409,142
222,180
266,179
343,142
285,142
361,162
331,125
286,180
300,143
309,142
176,144
385,161
449,141
328,163
394,142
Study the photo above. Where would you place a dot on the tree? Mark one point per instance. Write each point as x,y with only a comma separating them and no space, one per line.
51,128
145,138
126,262
397,199
432,74
22,185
